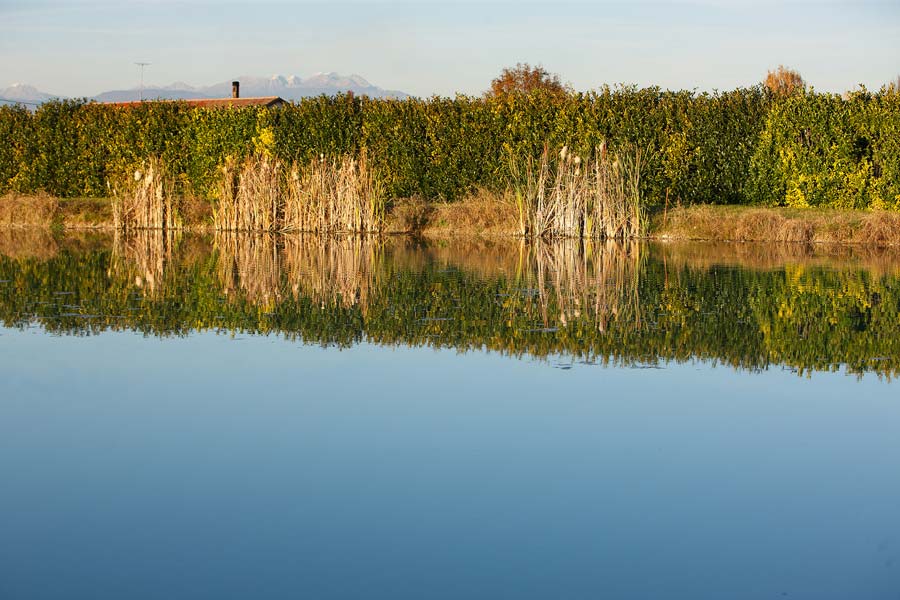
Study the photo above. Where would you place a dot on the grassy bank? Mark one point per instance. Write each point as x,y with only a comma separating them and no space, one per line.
43,211
792,225
489,215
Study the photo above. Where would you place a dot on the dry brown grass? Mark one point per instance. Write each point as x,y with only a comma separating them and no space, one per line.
45,211
480,213
86,213
34,210
408,215
196,212
809,226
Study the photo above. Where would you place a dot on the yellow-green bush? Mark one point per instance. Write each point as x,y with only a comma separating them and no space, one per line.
825,150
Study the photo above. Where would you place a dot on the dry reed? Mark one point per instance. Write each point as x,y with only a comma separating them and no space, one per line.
334,196
251,197
326,196
147,201
568,197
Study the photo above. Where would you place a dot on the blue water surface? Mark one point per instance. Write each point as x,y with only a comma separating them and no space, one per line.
217,466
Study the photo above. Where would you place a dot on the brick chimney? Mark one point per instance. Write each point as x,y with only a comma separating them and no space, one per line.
235,89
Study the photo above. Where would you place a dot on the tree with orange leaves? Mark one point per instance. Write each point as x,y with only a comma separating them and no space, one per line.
525,79
784,82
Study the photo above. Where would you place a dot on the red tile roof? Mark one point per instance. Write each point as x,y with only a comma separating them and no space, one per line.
268,101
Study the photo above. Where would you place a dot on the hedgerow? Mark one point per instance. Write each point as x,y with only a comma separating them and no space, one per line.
746,146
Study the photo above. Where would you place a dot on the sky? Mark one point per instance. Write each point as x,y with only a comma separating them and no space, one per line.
430,47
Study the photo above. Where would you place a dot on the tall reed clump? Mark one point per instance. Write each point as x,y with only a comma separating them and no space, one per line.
334,196
147,200
326,196
566,196
251,195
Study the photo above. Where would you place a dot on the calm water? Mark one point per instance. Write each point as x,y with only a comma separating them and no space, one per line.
290,418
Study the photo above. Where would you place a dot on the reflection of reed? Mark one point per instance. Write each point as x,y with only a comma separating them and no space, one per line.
142,256
333,270
569,283
251,264
268,268
768,256
598,281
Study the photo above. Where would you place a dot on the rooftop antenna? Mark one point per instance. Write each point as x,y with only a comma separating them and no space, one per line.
142,65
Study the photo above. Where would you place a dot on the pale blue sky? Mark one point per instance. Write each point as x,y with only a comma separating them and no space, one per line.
429,47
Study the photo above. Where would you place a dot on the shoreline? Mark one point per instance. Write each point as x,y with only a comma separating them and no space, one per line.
492,216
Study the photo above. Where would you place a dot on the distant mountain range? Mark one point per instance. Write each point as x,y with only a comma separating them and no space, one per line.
28,94
290,88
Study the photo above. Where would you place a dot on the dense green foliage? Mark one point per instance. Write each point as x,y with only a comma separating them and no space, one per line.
629,310
746,146
824,150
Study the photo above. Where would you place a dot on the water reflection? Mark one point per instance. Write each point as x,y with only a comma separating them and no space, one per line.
747,306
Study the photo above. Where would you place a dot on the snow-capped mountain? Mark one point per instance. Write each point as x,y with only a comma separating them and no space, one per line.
293,87
290,87
27,94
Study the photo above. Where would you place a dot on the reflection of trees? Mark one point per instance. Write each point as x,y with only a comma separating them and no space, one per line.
610,302
809,318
